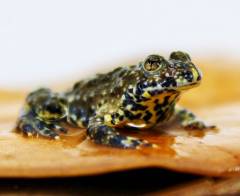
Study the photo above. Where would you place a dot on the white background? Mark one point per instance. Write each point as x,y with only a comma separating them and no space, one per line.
51,40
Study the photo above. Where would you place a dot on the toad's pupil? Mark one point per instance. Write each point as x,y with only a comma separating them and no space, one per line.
152,66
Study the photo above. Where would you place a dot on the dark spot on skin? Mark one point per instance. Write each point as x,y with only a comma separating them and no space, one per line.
130,90
115,115
116,141
79,112
135,143
121,118
139,89
166,100
161,117
185,114
113,122
27,128
154,84
188,76
154,92
137,116
40,125
128,97
85,122
184,65
140,98
90,131
100,132
131,116
47,132
147,116
127,102
157,107
169,81
159,113
164,113
137,107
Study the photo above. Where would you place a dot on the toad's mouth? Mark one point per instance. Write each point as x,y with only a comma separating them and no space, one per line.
187,86
148,89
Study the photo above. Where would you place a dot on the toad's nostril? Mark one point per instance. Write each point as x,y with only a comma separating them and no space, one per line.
199,78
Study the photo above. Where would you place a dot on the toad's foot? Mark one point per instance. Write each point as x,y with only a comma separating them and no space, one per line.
197,125
189,121
106,135
29,125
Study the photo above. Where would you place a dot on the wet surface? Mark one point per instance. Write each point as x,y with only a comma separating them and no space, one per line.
211,152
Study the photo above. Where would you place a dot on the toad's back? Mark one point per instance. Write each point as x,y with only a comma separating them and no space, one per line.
103,88
103,92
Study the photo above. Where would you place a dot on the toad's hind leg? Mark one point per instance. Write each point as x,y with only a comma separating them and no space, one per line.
101,133
42,114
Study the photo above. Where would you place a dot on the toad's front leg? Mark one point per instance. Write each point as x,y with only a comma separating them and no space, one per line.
188,120
102,133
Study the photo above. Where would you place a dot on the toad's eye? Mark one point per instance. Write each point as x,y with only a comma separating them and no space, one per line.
153,63
182,56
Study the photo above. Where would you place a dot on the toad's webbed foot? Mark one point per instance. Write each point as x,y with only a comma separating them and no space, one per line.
32,126
106,135
199,125
189,121
42,114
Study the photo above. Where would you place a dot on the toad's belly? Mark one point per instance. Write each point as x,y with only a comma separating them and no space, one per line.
143,124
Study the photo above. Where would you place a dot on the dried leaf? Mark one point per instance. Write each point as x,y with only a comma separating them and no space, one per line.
212,153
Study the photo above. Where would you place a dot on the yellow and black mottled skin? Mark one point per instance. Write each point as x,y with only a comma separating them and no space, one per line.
139,96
